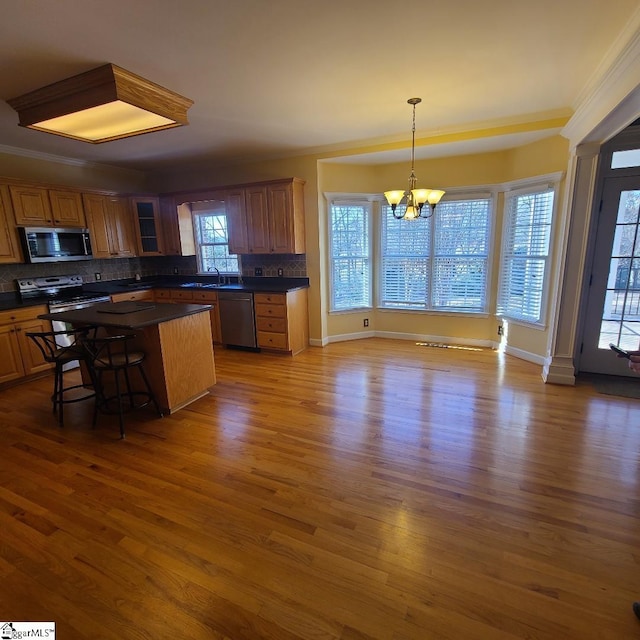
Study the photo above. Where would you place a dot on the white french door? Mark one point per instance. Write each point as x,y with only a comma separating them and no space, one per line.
613,307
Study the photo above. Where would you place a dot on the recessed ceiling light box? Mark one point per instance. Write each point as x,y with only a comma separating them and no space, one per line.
107,103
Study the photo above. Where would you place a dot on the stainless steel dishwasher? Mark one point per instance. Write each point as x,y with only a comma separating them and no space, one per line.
237,318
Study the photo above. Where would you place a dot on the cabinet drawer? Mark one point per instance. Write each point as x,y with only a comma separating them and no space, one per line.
205,296
182,295
133,295
162,294
271,310
20,315
270,340
275,325
270,298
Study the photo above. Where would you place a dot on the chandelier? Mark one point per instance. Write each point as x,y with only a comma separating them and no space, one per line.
416,198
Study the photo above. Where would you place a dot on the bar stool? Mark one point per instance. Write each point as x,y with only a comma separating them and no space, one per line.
114,354
60,348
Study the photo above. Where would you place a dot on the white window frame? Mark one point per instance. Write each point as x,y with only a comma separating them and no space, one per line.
428,305
216,209
367,259
516,191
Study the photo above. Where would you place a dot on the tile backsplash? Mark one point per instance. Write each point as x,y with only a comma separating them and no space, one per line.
293,266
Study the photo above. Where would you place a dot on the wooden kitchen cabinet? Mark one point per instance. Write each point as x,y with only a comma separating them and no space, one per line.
190,296
35,206
286,216
282,320
19,356
145,294
177,228
110,226
146,215
235,209
210,297
67,209
31,206
275,217
10,251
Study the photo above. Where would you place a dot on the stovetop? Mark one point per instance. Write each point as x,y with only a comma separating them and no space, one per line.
55,290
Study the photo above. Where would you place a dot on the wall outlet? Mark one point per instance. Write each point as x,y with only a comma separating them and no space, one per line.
258,271
365,322
175,271
500,330
280,272
98,275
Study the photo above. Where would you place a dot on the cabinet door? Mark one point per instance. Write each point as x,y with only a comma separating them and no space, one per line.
120,225
10,361
31,206
9,242
95,207
66,207
281,218
234,205
170,226
177,228
257,220
32,358
147,224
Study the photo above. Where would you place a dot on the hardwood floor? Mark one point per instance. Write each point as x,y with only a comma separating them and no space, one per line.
370,489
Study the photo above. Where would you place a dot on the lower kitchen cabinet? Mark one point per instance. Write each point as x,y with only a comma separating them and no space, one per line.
211,297
195,297
282,320
145,294
19,356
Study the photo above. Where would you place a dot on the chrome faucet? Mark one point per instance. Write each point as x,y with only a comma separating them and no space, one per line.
218,272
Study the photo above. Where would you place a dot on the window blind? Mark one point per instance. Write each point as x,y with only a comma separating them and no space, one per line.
525,254
437,263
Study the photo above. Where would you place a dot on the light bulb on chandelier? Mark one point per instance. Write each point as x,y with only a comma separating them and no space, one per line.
416,198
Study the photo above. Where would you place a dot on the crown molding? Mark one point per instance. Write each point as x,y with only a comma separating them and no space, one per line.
611,99
73,162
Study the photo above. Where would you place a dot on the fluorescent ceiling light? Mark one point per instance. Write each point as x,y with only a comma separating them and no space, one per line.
107,103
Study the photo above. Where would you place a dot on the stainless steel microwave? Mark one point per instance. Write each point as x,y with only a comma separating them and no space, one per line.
44,244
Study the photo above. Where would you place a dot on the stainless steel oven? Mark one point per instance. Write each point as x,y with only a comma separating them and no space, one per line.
61,293
59,325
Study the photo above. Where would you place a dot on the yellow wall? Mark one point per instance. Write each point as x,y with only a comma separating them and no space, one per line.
539,158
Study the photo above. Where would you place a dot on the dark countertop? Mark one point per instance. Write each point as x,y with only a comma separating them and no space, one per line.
272,285
108,314
13,300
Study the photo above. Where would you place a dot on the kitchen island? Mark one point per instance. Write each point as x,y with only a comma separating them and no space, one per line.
176,339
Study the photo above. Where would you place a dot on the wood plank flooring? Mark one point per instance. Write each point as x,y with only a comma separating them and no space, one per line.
373,489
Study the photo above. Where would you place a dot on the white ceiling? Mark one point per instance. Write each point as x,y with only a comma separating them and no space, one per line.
273,78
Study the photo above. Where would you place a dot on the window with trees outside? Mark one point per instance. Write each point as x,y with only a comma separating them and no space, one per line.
212,240
438,263
350,255
524,265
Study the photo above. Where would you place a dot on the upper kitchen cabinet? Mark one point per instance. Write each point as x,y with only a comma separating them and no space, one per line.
146,215
67,210
275,217
234,205
35,206
9,241
110,225
177,228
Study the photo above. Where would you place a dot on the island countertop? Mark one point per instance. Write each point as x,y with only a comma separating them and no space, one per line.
127,315
176,340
